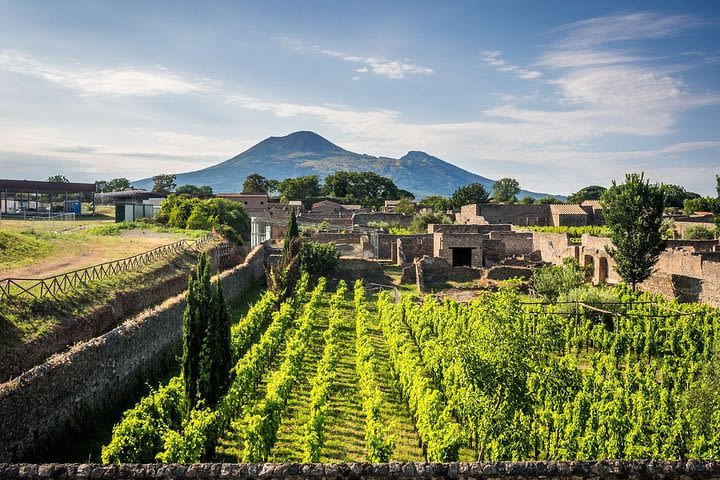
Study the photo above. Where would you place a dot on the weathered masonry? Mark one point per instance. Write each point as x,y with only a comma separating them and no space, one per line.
92,377
581,470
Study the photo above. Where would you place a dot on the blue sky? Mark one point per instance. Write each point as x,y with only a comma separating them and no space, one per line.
558,94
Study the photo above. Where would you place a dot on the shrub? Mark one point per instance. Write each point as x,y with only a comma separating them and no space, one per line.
550,281
319,258
422,220
698,232
229,218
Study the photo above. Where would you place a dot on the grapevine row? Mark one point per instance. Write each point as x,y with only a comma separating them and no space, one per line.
204,426
138,437
324,380
379,445
259,427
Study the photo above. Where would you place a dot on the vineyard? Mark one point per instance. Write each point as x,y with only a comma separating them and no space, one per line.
347,375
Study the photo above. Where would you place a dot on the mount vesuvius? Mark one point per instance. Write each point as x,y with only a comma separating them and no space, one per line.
307,153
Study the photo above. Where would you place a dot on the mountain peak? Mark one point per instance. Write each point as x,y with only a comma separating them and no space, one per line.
302,141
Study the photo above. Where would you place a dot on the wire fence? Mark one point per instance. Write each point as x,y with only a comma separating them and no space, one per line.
59,284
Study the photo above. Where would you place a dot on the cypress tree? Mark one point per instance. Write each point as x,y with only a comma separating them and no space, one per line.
206,339
291,235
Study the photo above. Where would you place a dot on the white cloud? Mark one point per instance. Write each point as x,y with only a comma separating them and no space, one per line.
493,58
121,81
393,69
623,27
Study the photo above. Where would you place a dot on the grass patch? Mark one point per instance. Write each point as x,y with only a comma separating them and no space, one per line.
17,249
114,229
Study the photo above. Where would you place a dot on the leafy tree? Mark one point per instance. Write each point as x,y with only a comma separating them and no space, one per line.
675,195
527,200
229,218
506,190
164,183
549,200
405,205
206,339
698,232
58,179
699,204
204,191
368,187
299,188
404,194
113,185
422,220
256,183
436,203
633,212
319,258
469,194
592,192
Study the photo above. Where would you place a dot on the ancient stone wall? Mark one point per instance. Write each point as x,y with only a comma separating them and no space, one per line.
92,377
696,245
516,214
468,228
412,247
369,271
578,470
553,247
363,219
333,237
515,243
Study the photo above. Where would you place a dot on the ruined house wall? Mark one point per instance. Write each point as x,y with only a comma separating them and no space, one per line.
515,243
92,377
469,228
411,247
553,247
443,243
516,214
334,237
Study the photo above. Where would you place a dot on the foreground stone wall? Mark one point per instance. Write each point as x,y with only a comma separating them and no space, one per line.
609,469
92,377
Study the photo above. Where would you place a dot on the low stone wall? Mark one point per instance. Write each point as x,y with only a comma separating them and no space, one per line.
332,237
401,219
46,401
580,470
351,269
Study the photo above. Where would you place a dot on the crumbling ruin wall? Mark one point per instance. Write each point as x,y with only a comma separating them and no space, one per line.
411,247
94,376
515,243
363,219
554,247
334,237
369,271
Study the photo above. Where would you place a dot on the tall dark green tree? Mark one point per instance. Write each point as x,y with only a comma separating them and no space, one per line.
633,211
256,183
206,339
468,194
284,274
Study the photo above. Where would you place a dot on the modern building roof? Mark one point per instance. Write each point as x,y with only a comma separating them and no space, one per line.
562,209
129,193
29,186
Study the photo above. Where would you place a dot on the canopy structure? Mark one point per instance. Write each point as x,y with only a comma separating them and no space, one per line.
23,197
